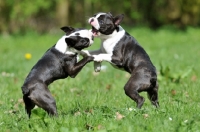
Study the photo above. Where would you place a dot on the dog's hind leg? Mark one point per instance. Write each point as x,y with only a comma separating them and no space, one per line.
42,97
131,89
153,95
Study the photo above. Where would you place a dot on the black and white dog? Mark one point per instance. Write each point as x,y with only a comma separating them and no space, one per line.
123,51
59,62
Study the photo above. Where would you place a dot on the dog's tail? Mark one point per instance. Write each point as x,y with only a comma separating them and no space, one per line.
25,90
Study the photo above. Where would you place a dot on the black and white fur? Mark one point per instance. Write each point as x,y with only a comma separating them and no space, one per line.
124,52
59,62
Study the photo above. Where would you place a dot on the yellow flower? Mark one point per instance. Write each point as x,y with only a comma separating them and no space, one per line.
28,56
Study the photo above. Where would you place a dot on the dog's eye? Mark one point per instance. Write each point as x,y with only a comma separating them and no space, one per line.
77,34
83,41
101,22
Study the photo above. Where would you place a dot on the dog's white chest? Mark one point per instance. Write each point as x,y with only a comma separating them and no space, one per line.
108,46
111,42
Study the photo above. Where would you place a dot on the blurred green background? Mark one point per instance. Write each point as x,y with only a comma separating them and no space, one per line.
20,16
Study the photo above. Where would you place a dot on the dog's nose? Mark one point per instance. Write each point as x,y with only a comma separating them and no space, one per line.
91,20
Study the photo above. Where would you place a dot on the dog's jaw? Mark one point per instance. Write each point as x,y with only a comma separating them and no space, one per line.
93,21
95,26
95,32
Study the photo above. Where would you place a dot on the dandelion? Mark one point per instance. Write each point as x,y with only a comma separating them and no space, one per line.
170,118
28,56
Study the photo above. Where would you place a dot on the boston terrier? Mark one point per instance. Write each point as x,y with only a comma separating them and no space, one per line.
59,62
123,51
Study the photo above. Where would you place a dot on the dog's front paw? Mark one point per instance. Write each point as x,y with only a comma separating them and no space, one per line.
97,66
98,58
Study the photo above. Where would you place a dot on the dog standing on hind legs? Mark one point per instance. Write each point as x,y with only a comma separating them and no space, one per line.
124,52
59,62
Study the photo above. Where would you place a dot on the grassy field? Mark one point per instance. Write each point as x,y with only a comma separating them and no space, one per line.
96,101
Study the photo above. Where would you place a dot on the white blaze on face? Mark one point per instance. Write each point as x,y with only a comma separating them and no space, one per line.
82,34
62,46
94,21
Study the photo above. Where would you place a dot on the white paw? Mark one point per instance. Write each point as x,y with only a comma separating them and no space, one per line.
97,69
97,66
97,58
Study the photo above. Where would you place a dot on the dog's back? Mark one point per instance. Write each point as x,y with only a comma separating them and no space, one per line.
47,69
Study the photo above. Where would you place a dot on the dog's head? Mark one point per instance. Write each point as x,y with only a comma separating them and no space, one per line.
105,23
78,38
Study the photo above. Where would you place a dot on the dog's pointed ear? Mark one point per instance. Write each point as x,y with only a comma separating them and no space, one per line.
70,41
118,19
67,29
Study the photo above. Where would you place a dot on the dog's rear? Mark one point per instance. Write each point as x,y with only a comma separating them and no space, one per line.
38,94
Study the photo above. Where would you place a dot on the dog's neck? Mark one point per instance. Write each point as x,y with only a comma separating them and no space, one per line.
112,38
62,46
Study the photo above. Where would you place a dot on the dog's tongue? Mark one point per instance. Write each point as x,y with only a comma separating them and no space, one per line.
94,31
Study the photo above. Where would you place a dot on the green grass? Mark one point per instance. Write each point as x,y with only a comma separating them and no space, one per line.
95,102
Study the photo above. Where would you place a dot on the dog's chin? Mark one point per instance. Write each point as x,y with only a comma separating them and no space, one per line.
91,42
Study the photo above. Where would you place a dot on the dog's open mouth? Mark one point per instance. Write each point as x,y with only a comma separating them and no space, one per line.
94,31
